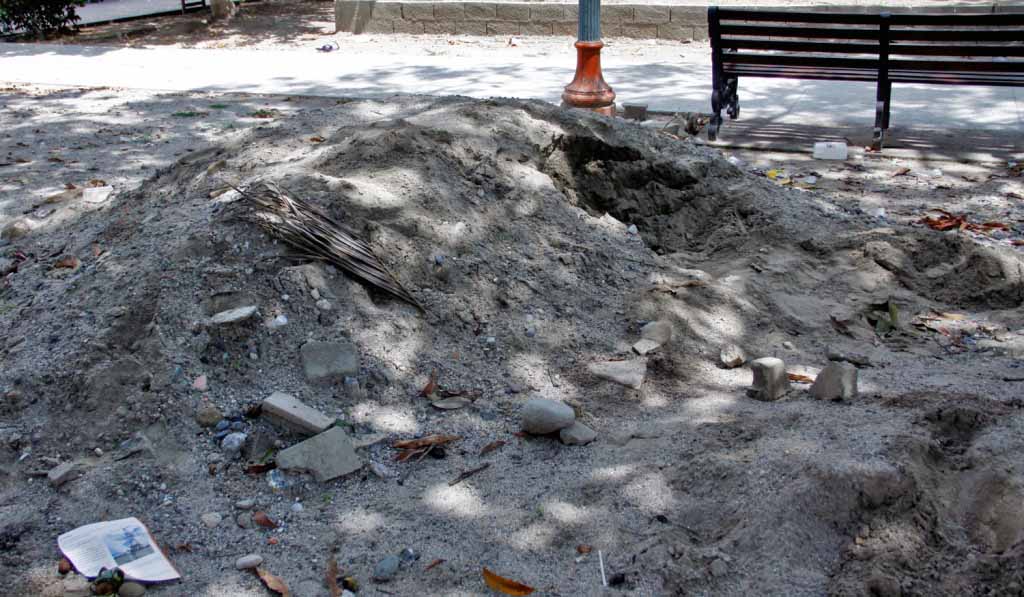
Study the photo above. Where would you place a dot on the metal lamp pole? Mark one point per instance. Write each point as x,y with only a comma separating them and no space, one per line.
588,89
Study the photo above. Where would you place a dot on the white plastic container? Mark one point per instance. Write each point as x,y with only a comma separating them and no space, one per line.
830,150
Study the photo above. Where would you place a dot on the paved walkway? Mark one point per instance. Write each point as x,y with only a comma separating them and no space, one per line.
682,85
112,10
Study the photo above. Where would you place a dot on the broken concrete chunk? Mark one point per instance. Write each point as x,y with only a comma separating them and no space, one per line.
732,356
329,360
860,360
837,381
541,416
234,315
327,456
770,379
577,434
62,473
290,412
628,373
657,331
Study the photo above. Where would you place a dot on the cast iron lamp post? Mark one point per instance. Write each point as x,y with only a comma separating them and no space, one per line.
588,89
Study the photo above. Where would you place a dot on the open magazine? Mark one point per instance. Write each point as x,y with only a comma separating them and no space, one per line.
125,544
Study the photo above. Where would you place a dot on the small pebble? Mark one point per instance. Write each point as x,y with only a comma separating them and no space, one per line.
633,229
131,589
245,504
211,519
249,562
297,507
386,569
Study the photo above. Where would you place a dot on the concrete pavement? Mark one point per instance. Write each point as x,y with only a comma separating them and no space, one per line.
682,85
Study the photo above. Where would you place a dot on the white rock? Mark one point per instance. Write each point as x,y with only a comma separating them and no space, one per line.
628,373
658,331
62,473
211,519
644,346
96,194
541,416
292,413
732,356
233,315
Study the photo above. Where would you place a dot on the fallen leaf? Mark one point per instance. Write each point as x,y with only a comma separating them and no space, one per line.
506,586
431,386
331,577
263,520
901,171
433,564
63,567
452,403
96,182
492,446
317,139
183,547
584,549
96,250
1017,243
68,262
274,583
800,378
258,468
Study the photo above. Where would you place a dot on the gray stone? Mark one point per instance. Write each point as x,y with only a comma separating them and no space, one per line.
770,379
628,373
233,442
386,569
860,360
246,504
327,456
211,519
208,415
62,473
244,520
732,356
234,315
292,413
577,434
329,360
249,562
837,381
719,567
541,416
657,331
131,589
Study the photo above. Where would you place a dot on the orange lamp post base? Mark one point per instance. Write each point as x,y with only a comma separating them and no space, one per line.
588,90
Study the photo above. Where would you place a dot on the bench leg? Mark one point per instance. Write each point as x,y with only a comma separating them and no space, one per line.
881,115
888,103
723,97
732,99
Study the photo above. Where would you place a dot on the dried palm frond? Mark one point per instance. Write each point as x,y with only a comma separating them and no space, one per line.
314,235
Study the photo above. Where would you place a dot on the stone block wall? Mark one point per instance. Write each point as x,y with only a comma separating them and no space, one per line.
513,18
642,21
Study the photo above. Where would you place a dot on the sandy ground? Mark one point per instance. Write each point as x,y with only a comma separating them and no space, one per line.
913,487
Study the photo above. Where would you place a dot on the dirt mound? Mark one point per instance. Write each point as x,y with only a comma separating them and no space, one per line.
510,223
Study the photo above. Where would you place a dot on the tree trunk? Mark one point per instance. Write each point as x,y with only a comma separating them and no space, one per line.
222,9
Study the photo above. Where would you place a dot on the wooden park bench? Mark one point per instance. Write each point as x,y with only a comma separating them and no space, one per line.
934,49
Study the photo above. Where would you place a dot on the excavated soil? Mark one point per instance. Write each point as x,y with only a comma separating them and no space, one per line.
510,222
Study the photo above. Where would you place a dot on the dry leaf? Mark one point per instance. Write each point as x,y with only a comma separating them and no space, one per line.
68,262
433,564
492,446
63,567
584,549
96,182
258,468
800,378
263,520
331,577
423,442
431,386
506,586
274,583
901,171
317,139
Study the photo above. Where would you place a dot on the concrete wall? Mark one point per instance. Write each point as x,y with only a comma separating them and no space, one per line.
643,21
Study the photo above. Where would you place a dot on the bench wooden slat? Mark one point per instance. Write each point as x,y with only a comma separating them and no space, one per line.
978,66
801,32
860,48
781,16
955,36
870,64
958,19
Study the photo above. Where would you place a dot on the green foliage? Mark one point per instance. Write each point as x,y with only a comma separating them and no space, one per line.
39,16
